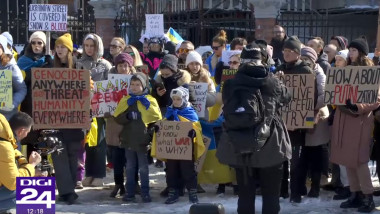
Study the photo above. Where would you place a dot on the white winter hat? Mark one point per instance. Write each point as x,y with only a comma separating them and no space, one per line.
4,44
343,54
194,56
9,37
38,35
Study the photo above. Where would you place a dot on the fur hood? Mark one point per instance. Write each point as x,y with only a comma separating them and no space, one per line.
184,77
205,77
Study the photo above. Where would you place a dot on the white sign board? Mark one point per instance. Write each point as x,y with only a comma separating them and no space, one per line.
198,92
154,25
48,17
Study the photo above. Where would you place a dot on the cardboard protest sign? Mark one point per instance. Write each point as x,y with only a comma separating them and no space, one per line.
198,92
226,55
6,90
360,84
48,17
198,164
226,75
154,25
61,98
299,113
172,141
143,69
181,66
108,93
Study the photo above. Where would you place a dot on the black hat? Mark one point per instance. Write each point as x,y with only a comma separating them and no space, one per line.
169,61
263,46
360,44
252,51
293,43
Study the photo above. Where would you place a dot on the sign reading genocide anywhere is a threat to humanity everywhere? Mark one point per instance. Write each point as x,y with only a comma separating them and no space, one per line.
60,98
172,140
6,90
360,84
47,17
299,113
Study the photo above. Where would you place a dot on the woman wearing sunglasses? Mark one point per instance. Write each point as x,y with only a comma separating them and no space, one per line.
218,45
117,46
132,50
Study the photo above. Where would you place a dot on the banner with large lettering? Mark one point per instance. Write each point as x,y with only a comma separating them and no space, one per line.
60,98
299,113
360,84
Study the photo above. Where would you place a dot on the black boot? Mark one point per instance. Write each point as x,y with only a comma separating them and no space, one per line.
342,194
368,204
295,198
313,193
165,192
116,190
221,189
354,201
122,190
173,196
193,198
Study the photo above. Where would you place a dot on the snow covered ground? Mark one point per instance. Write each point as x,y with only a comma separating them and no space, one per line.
96,200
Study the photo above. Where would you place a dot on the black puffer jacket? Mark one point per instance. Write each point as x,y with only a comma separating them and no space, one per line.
277,148
323,62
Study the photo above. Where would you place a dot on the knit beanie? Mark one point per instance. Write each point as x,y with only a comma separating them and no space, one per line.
252,51
169,61
140,77
293,43
309,52
38,35
9,37
360,44
342,41
123,57
194,56
181,92
343,54
66,41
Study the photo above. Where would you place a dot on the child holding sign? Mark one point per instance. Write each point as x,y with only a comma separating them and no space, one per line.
181,110
137,112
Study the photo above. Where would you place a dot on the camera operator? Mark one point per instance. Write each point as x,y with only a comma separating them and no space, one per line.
12,163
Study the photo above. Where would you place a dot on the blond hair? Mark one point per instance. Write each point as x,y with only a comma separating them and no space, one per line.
221,38
137,57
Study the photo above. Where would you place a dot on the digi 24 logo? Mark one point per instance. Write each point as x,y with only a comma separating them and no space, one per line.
35,195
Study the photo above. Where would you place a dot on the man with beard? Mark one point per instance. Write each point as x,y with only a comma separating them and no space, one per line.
184,50
278,40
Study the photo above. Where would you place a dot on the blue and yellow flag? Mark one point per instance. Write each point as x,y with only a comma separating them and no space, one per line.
174,36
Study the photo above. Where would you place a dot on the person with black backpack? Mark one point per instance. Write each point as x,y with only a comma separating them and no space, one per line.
255,140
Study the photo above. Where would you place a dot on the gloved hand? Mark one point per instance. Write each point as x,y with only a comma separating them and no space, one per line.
49,60
350,106
192,134
40,62
156,128
133,115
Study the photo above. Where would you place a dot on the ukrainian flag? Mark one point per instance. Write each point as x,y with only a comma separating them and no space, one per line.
174,36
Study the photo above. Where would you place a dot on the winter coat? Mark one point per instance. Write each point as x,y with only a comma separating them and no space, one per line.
297,137
277,148
179,78
320,134
99,67
320,86
12,163
323,62
278,46
153,61
18,87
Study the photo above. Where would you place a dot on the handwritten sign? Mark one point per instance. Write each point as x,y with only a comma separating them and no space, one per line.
226,75
360,84
6,92
173,141
198,164
226,55
198,92
48,17
299,113
143,69
154,25
108,93
60,98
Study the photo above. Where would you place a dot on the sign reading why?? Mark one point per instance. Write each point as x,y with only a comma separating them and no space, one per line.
47,17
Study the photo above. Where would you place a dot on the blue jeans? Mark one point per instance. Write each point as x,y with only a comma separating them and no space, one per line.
7,199
142,159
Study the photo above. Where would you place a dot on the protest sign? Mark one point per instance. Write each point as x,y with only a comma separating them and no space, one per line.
360,84
172,141
6,90
198,164
47,17
299,113
143,69
226,55
154,25
198,94
60,98
181,66
226,75
108,93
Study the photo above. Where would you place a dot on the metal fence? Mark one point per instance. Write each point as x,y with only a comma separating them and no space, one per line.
14,18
